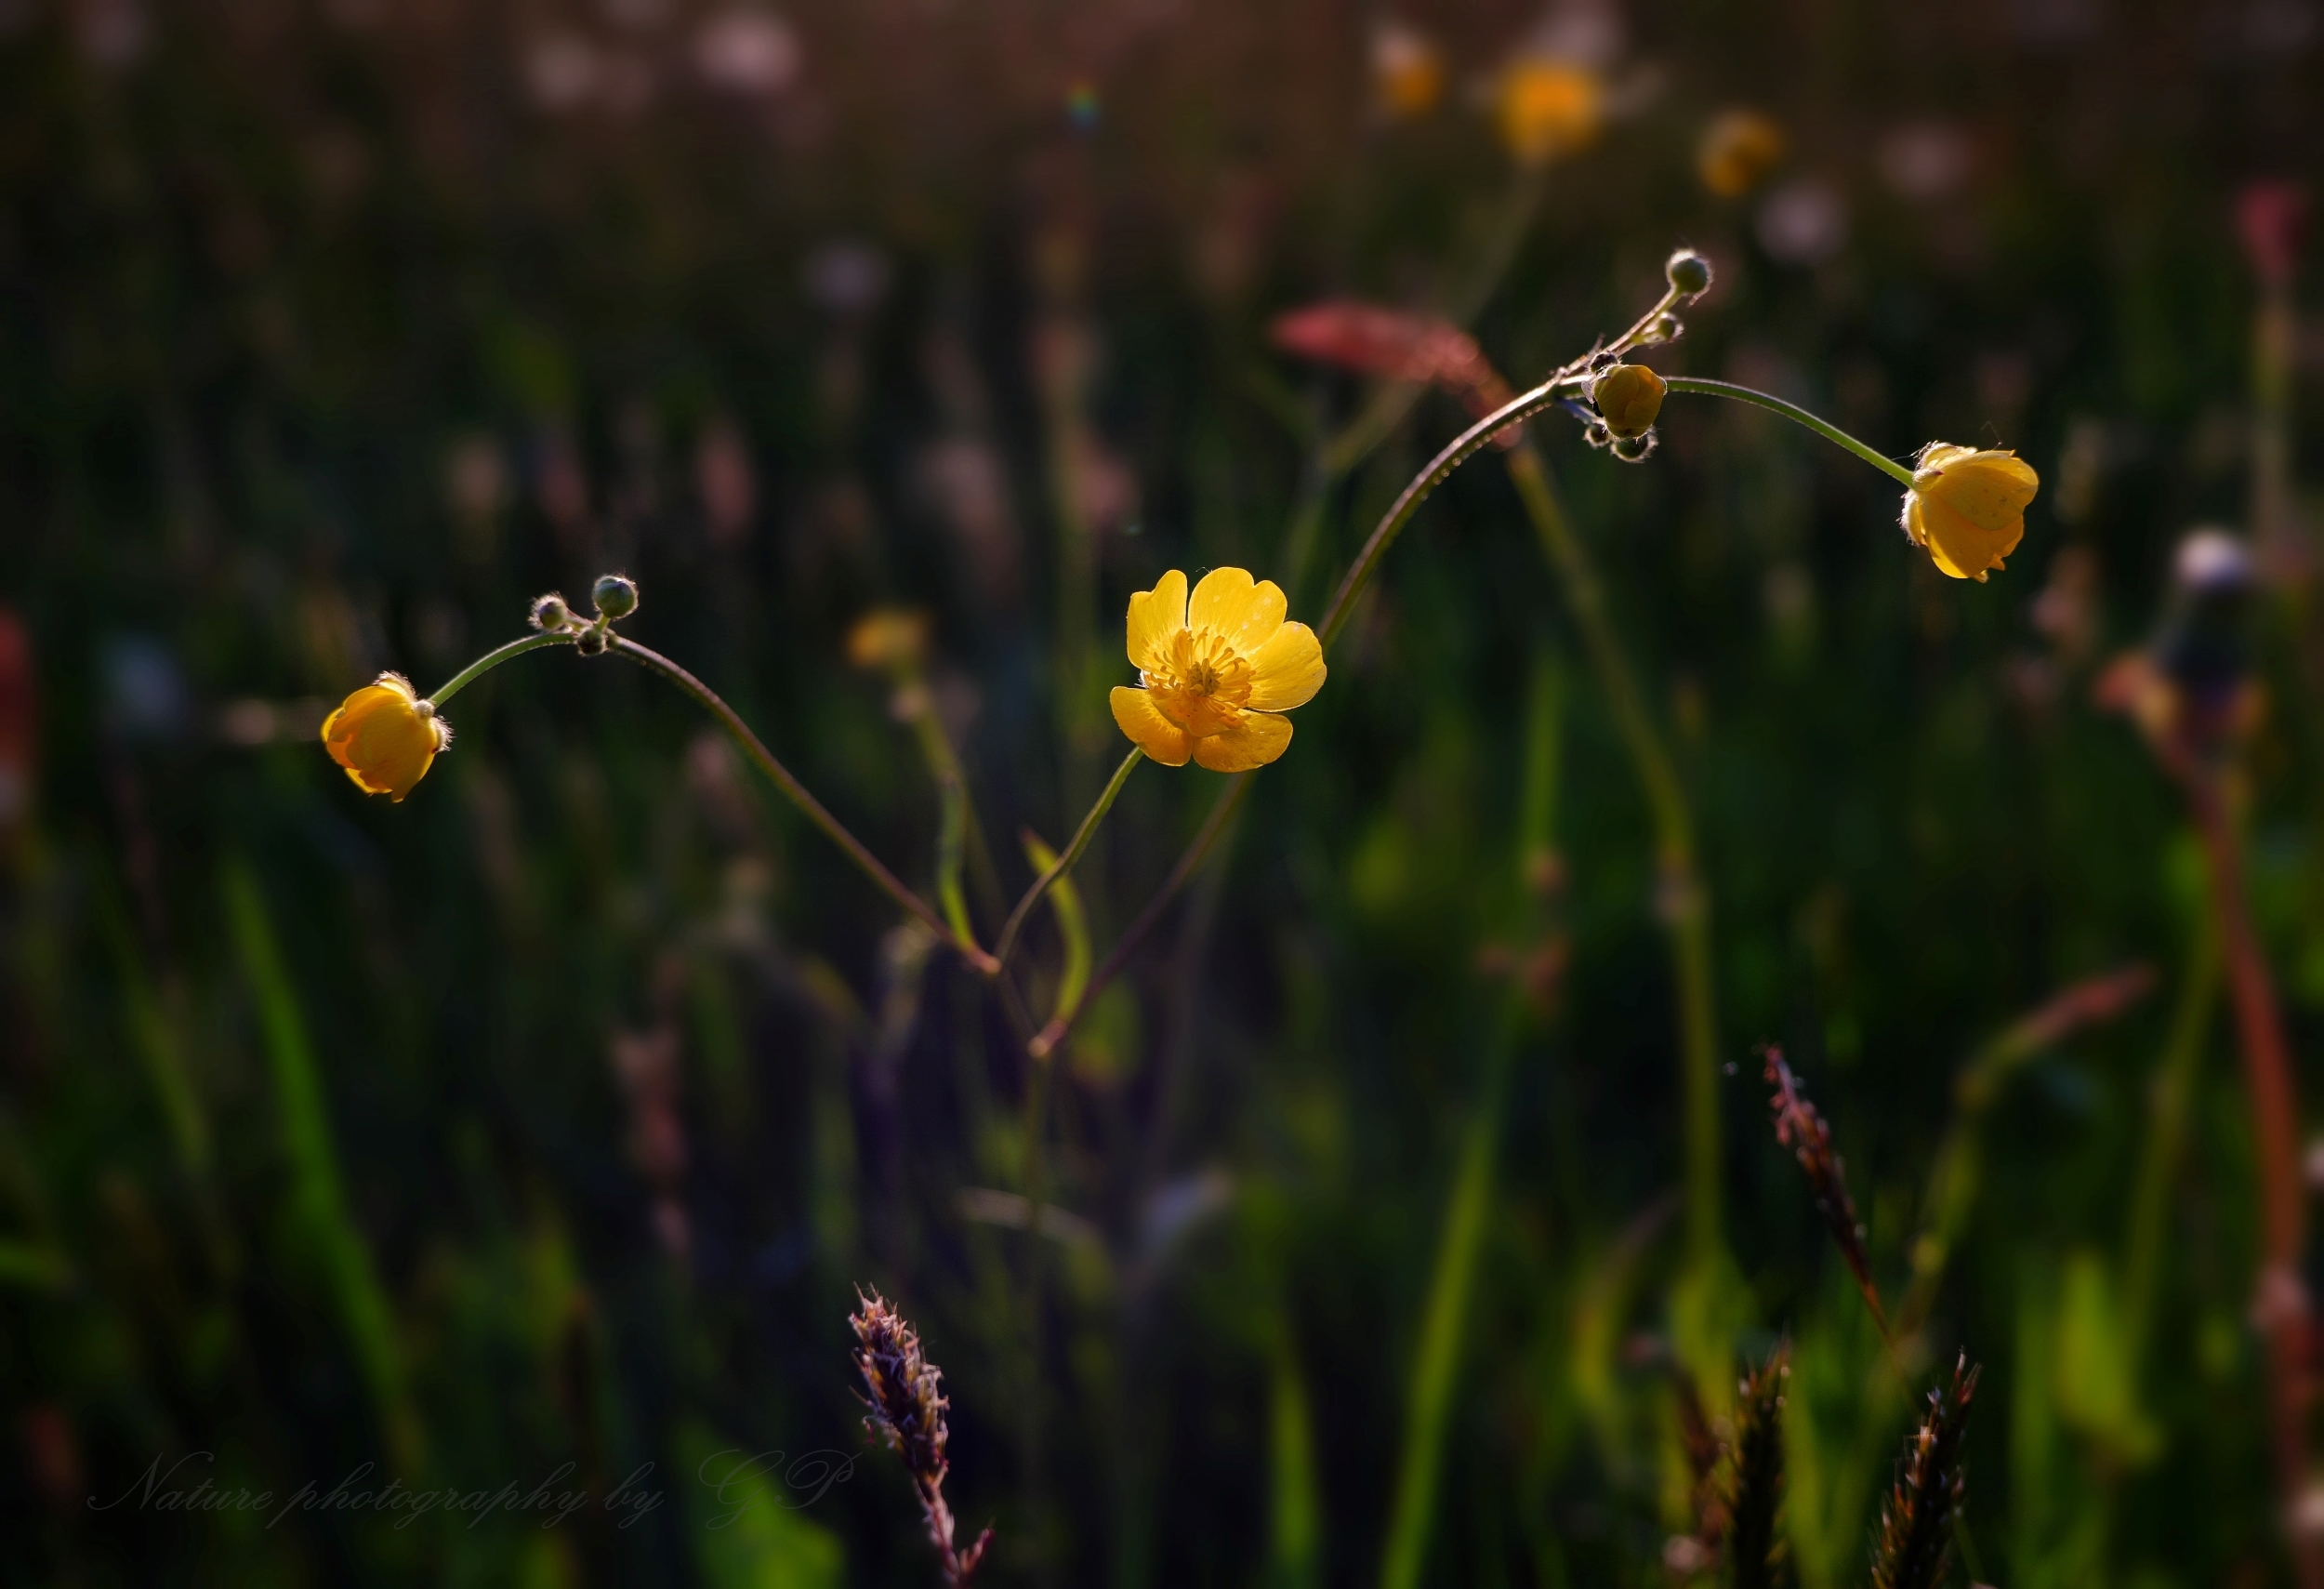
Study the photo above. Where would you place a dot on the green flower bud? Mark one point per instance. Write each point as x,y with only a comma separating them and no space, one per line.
1689,272
550,614
1629,396
1634,449
591,641
616,595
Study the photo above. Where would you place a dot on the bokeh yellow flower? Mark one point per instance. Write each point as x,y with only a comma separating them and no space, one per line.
1216,671
1968,507
1548,107
1628,397
893,638
385,736
1738,149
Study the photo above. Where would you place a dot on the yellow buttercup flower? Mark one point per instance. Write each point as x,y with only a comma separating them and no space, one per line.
1968,507
1547,108
1216,671
385,736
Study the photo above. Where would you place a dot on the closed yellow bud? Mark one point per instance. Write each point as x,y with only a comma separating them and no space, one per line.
385,736
1968,507
1629,396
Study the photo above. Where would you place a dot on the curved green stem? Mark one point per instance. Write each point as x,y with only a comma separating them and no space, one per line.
1459,451
1794,413
1063,863
492,659
781,777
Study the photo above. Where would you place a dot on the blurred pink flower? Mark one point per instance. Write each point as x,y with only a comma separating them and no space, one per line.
18,721
747,51
2270,214
728,485
1373,340
1924,160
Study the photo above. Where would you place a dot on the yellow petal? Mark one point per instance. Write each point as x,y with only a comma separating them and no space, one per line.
1989,489
1254,742
1245,613
379,736
1154,615
1287,670
1148,729
1963,550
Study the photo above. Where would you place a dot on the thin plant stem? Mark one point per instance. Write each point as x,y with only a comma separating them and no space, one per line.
1229,801
492,659
1794,413
2281,1305
1464,447
952,821
1064,862
1684,902
798,794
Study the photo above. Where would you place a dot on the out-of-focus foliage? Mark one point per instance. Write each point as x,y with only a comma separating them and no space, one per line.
534,1132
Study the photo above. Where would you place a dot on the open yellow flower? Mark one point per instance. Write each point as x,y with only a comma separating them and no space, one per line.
385,736
1968,507
1216,671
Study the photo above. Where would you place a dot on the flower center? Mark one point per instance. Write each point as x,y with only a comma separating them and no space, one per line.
1200,680
1203,662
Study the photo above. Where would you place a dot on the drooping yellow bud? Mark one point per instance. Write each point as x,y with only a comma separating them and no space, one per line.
1628,397
385,737
1968,507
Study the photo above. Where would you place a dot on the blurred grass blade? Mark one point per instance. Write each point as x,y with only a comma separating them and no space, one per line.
1295,1544
951,844
34,1268
318,1202
1073,924
158,1044
1437,1366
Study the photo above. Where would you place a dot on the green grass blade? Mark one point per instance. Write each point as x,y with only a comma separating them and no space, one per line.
318,1202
